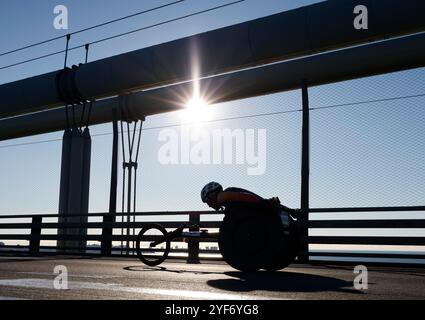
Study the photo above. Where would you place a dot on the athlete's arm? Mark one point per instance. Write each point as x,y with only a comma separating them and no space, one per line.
230,196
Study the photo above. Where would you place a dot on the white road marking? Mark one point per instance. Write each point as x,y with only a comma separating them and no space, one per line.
78,285
11,298
94,276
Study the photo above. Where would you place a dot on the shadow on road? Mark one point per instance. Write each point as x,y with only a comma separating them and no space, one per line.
281,282
146,268
267,281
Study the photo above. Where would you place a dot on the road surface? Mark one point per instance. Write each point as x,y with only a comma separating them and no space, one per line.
121,278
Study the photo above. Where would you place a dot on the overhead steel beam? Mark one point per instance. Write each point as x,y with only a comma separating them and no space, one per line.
378,58
307,30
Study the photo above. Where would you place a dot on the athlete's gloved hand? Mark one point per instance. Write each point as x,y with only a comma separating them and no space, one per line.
271,204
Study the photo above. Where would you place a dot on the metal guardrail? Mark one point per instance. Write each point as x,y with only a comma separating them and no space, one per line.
383,223
32,232
35,235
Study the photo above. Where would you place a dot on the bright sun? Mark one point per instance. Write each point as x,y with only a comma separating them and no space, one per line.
196,111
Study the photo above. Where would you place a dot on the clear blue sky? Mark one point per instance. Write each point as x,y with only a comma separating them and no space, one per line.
362,155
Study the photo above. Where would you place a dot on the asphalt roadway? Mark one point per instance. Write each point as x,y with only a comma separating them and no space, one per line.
122,278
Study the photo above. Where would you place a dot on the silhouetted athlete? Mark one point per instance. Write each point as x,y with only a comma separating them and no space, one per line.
217,198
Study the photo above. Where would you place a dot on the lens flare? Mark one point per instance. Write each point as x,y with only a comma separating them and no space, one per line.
196,105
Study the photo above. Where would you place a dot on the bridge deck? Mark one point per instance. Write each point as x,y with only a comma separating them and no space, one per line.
106,278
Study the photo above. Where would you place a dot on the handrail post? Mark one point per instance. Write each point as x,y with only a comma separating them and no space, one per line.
35,233
193,244
305,176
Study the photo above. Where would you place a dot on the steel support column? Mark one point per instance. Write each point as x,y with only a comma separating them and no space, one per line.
74,185
305,174
64,182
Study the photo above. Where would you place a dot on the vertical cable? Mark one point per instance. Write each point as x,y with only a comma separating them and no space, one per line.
68,37
123,185
74,123
128,186
132,165
134,203
85,102
130,192
89,113
82,115
135,174
138,143
132,140
67,116
87,45
122,210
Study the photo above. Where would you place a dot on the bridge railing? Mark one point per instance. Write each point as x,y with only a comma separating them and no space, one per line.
397,254
37,235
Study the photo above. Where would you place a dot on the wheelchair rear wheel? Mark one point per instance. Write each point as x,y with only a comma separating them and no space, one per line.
250,240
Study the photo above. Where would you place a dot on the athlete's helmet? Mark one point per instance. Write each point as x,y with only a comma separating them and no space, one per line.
210,187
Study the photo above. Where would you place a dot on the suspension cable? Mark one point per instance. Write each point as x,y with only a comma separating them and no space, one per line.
125,33
89,28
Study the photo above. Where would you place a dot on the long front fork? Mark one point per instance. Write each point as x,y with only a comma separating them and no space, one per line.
203,234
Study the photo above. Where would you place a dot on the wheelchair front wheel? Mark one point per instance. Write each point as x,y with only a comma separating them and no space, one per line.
147,252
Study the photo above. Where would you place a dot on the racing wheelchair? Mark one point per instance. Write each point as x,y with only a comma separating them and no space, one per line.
249,238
